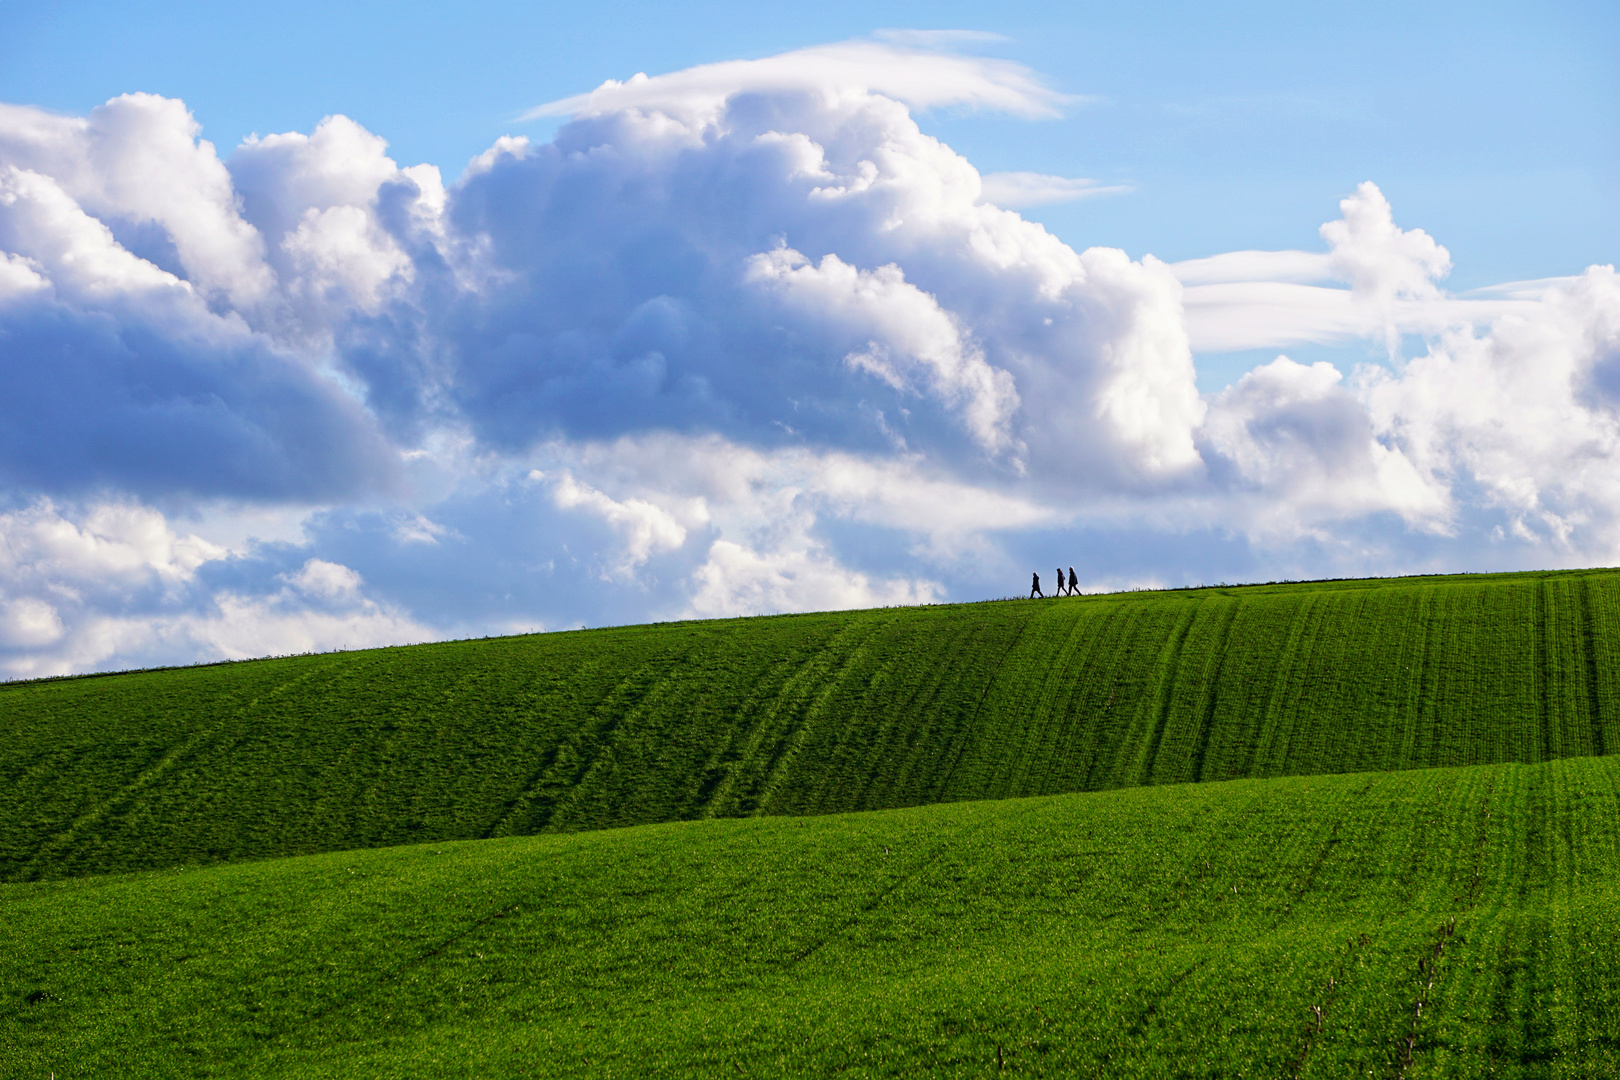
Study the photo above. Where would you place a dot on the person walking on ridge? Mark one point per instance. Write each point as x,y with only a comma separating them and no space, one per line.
1060,580
1035,587
1074,583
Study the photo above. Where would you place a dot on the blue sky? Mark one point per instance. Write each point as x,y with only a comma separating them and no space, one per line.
1238,125
1317,293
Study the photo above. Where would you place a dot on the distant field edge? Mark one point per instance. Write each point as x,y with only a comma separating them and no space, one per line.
1142,590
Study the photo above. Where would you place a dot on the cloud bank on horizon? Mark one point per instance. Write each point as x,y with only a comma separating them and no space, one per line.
738,339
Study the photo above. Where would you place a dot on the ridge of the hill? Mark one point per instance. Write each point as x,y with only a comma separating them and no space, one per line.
1436,922
803,714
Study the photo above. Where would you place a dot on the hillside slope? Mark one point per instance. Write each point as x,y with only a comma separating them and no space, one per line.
802,714
1443,922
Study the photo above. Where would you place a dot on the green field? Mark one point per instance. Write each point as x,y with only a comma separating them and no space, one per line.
1444,922
803,714
1357,828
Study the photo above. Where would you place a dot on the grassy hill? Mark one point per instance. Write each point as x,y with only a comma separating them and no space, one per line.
1443,922
805,714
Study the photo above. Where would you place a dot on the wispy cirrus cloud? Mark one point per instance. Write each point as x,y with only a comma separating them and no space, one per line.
908,68
1017,190
1274,299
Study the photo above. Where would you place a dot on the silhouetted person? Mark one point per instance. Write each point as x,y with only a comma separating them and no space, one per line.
1060,581
1074,583
1035,587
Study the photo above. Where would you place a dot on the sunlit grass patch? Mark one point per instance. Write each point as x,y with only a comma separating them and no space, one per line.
1256,927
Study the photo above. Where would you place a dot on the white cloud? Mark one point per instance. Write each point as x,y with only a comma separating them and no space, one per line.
325,580
646,528
838,277
419,529
339,164
1016,190
709,480
318,201
115,585
40,221
938,39
28,623
1308,448
240,627
1265,299
150,370
231,627
112,543
910,333
137,161
1293,267
1537,289
919,77
794,576
1379,259
758,343
1529,411
341,248
19,278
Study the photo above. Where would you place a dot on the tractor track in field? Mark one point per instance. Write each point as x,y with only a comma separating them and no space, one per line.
930,856
393,974
187,747
1589,651
1428,962
1335,982
989,684
1319,1009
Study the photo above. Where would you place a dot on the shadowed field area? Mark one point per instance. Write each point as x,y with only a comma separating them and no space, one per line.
804,714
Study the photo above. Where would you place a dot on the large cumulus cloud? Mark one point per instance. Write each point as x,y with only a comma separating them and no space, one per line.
736,339
792,266
123,372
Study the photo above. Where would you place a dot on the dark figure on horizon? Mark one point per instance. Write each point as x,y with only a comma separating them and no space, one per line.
1074,583
1060,580
1035,587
